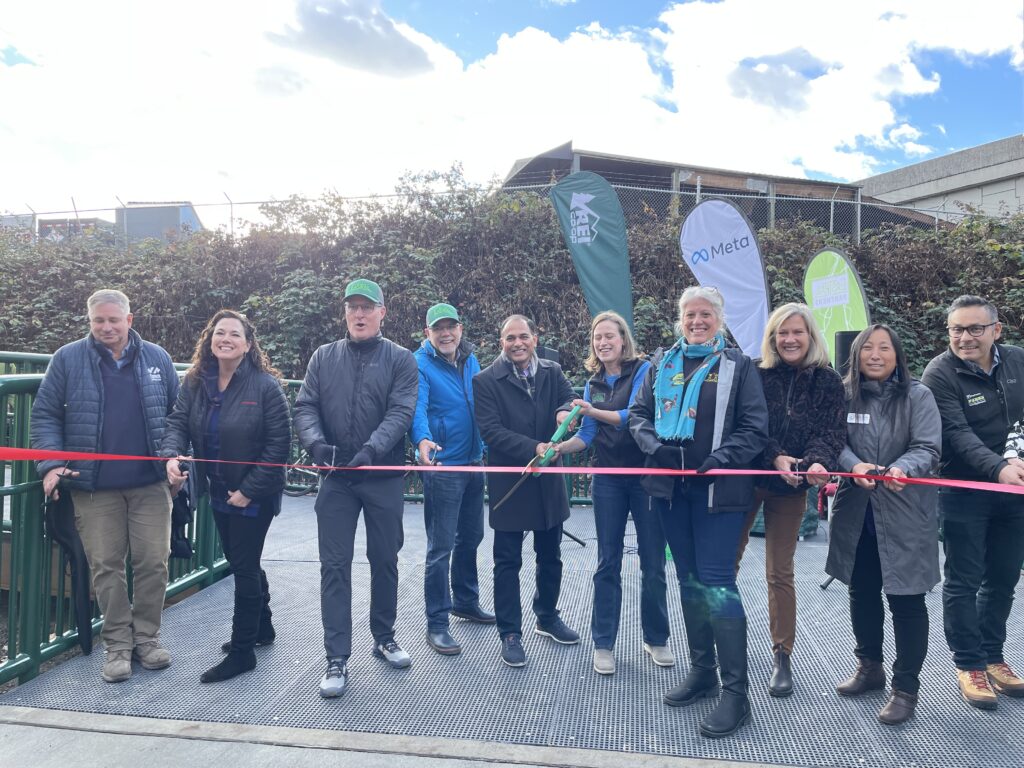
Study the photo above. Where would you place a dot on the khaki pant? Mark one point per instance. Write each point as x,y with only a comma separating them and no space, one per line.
113,524
783,515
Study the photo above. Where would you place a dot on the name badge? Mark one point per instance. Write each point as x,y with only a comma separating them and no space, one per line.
858,418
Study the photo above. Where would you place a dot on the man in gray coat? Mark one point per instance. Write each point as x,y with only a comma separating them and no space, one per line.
353,410
520,401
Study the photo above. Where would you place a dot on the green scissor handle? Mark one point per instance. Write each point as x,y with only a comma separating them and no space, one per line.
559,434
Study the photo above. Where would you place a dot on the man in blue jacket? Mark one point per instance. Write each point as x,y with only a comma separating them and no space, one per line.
110,393
444,432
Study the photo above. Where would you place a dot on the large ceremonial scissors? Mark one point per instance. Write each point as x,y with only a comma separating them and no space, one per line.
538,460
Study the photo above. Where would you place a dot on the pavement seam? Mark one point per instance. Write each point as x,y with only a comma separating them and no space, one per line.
354,741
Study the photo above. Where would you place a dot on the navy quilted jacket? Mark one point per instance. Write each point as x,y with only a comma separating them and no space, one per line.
67,414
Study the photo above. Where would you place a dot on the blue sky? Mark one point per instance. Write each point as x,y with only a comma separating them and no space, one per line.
472,29
199,101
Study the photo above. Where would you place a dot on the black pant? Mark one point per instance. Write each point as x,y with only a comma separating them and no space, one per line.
508,560
338,504
983,538
909,618
243,538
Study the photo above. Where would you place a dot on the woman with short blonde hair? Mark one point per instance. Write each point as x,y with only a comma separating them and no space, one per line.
806,431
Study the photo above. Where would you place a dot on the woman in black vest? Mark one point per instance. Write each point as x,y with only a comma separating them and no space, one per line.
232,407
617,374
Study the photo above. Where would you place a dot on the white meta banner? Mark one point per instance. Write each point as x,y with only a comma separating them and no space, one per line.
721,251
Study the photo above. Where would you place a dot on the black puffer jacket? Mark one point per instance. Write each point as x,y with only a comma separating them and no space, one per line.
806,419
253,427
358,395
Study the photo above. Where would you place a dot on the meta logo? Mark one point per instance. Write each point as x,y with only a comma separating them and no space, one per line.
703,254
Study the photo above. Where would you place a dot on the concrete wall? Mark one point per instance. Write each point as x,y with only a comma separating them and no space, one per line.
989,178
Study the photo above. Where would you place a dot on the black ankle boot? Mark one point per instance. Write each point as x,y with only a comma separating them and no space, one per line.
235,663
733,710
265,636
781,682
702,679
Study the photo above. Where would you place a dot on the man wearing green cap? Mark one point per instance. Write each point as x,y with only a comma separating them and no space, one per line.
353,410
444,432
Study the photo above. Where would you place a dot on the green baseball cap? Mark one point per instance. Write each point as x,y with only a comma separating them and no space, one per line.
441,312
366,288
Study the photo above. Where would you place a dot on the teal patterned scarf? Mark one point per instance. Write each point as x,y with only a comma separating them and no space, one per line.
676,395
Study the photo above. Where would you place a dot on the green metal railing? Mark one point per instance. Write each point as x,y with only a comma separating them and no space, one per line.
23,362
40,617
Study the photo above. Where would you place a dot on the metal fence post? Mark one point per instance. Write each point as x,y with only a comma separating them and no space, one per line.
856,234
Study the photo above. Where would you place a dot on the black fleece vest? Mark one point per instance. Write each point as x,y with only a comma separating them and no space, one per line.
615,447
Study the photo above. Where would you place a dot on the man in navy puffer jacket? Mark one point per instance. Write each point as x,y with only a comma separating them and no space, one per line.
444,432
110,393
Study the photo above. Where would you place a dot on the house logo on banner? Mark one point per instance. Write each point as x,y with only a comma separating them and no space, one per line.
582,219
702,254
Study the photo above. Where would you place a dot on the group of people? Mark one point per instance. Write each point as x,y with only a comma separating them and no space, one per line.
700,405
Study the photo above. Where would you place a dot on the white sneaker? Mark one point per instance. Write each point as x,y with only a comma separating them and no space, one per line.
660,655
333,683
604,661
393,654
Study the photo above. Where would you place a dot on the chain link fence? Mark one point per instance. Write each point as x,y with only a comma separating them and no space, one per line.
646,198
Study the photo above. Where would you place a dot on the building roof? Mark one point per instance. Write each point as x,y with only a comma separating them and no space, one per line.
634,171
967,168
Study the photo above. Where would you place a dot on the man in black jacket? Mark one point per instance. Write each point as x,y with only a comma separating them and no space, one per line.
979,388
353,410
519,402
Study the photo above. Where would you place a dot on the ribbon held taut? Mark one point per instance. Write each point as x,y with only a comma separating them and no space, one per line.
31,454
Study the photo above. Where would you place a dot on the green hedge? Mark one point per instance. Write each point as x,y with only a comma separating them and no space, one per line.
490,254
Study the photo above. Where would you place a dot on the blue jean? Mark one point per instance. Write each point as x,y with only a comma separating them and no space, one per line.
615,498
983,538
453,513
703,546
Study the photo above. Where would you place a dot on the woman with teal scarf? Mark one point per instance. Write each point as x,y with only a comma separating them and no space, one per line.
701,408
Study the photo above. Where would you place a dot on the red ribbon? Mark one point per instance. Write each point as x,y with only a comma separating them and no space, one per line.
29,454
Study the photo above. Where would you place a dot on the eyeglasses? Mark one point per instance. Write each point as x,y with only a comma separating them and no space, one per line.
956,331
353,308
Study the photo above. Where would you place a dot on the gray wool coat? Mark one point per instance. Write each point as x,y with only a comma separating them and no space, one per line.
907,435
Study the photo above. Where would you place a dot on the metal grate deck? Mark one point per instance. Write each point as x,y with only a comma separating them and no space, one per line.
557,700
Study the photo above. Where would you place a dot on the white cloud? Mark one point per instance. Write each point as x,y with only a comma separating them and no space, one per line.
913,149
196,99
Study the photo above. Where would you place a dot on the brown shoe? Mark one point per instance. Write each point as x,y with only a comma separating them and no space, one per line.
151,655
118,666
975,689
899,708
869,676
1003,679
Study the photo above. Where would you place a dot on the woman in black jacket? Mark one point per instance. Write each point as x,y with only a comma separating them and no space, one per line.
806,432
232,407
701,408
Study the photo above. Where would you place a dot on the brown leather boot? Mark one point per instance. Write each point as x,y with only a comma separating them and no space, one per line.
869,676
899,708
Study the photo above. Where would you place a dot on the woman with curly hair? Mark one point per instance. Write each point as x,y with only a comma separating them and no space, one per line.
232,408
